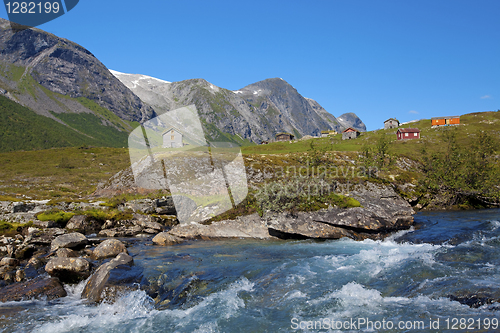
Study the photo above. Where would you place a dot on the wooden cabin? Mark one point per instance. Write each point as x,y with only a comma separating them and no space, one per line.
350,133
391,123
284,136
441,121
408,133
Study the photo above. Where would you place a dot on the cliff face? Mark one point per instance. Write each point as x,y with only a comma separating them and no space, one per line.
34,64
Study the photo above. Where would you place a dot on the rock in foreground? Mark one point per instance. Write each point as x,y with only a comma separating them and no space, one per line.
250,226
95,285
383,211
48,289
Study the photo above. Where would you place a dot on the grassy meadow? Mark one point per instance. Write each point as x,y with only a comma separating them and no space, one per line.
74,173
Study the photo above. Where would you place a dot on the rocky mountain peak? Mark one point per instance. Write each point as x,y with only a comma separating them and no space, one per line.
350,119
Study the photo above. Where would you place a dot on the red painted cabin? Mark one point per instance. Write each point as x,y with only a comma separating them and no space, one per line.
408,133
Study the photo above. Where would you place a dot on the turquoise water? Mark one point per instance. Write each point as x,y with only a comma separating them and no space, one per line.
404,283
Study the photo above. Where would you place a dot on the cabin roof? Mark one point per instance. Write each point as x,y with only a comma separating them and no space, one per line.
281,133
169,129
409,130
350,128
449,117
391,119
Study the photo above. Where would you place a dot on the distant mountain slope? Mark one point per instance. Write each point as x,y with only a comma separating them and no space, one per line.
61,80
33,62
351,120
23,129
274,107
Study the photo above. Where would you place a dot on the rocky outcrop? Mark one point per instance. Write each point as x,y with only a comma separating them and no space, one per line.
383,211
39,288
69,270
96,284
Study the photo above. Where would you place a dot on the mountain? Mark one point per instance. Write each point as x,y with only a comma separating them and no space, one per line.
58,79
290,111
255,113
351,120
62,81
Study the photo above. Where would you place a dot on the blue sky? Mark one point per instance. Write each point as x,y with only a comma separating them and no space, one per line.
409,59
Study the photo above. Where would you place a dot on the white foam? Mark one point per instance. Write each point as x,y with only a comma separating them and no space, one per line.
133,305
227,300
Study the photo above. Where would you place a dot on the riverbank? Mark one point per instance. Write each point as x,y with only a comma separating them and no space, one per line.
61,239
424,274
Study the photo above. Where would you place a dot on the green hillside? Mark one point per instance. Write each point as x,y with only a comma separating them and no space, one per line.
431,138
23,129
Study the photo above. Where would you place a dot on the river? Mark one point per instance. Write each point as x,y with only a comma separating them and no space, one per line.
406,283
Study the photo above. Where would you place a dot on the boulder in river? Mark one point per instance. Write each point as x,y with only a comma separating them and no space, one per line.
249,226
95,285
164,238
147,222
70,270
108,249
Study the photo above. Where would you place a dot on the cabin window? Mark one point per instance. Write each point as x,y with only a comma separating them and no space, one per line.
172,132
172,137
414,134
406,134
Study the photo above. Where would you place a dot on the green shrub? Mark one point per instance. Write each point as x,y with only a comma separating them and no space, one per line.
111,214
5,226
301,194
58,216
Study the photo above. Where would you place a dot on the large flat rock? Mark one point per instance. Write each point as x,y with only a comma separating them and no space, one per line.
48,289
383,211
250,226
74,240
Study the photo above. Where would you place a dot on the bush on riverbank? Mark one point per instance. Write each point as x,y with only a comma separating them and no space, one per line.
469,174
301,194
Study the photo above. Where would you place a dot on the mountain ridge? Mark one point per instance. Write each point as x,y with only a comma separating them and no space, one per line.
258,111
